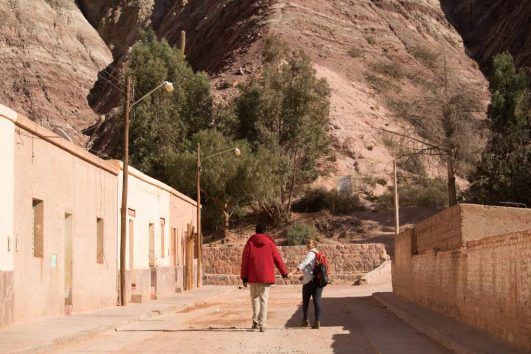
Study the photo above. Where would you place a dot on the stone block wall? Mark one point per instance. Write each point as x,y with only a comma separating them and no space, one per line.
485,282
7,298
348,262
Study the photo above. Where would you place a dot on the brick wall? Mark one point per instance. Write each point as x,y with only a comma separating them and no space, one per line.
347,262
454,226
485,282
441,231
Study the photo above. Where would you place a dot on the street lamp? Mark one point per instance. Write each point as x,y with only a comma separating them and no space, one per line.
237,152
128,106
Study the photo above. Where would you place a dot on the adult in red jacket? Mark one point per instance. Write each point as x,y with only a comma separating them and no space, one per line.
259,258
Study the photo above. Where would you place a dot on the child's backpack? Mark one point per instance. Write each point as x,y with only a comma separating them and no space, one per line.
320,270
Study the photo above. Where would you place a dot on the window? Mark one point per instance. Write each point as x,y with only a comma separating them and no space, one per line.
99,243
38,228
162,224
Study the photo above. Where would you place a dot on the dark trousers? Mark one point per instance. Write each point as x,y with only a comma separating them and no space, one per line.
315,292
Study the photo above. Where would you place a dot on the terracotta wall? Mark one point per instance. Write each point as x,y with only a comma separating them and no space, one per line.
484,282
183,212
67,180
347,262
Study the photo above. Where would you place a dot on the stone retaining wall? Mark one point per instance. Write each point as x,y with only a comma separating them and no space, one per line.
348,262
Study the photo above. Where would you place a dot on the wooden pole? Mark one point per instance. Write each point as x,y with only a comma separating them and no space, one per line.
198,209
125,172
397,223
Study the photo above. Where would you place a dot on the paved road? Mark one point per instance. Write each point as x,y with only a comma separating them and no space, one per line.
352,322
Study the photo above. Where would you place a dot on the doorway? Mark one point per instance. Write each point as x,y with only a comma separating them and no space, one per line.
68,263
152,245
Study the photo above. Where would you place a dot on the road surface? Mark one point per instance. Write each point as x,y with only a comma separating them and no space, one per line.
352,322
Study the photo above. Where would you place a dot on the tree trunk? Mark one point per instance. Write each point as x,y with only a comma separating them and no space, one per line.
226,219
290,198
452,191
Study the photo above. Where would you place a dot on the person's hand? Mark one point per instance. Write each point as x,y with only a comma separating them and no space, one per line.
285,276
244,282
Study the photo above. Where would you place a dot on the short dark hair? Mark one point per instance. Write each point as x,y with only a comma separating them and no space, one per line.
260,228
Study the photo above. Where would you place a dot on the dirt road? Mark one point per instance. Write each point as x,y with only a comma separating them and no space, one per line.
352,322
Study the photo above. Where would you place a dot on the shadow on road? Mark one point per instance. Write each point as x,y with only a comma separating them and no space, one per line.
229,329
337,312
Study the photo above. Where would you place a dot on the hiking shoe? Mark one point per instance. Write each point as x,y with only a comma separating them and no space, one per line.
305,323
262,329
255,325
316,325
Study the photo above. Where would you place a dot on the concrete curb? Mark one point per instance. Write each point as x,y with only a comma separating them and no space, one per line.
420,326
444,339
86,334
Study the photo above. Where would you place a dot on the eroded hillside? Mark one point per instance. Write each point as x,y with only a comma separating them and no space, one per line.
50,60
375,54
491,27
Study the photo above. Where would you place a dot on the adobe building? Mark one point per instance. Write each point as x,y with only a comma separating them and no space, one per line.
471,263
157,222
59,227
58,236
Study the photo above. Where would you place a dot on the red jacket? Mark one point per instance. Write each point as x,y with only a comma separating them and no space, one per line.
260,255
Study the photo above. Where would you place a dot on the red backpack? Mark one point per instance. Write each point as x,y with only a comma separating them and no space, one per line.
320,270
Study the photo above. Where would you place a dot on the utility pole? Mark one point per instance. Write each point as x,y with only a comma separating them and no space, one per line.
125,172
397,225
199,235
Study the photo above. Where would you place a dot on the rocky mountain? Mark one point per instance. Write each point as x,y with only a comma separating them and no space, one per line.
50,58
491,27
375,54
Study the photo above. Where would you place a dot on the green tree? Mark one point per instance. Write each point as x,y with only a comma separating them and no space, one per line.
285,113
504,173
225,178
162,121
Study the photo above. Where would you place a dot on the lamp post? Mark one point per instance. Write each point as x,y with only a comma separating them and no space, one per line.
237,152
128,106
395,199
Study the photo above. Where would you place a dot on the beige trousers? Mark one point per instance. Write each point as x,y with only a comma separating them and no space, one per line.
259,298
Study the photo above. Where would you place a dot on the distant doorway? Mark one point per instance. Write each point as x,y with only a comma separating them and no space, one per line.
152,245
131,245
68,263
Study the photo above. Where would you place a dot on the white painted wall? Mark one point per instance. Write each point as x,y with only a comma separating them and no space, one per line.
7,145
151,202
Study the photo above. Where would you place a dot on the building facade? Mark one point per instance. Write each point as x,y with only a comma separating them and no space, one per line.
158,218
60,227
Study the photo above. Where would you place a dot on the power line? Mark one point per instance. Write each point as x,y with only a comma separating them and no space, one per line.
110,82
